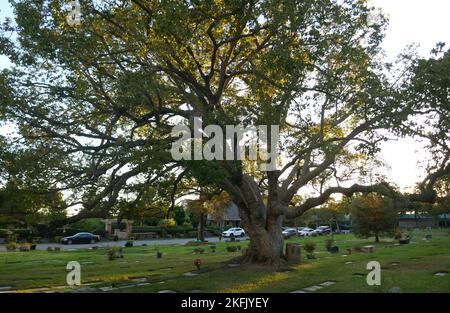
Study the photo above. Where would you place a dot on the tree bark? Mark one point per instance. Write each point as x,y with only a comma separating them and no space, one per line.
266,243
261,222
338,229
200,227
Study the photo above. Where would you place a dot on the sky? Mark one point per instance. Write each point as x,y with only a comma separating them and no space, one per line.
424,22
5,11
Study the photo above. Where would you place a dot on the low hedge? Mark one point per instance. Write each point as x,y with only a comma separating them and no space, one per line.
69,231
147,229
175,231
161,231
192,234
216,231
17,234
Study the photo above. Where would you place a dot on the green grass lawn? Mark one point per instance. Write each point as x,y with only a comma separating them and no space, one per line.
410,267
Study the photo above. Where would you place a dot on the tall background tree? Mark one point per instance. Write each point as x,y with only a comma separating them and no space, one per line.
101,99
373,216
210,202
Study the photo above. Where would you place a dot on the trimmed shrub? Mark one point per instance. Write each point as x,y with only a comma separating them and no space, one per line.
166,223
309,248
196,243
329,244
192,234
12,238
334,249
11,246
129,243
25,247
57,239
114,253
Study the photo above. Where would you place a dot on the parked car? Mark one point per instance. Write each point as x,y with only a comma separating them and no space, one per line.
289,232
321,230
307,232
80,238
234,232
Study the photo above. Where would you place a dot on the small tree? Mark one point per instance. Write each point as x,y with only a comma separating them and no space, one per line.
373,215
208,203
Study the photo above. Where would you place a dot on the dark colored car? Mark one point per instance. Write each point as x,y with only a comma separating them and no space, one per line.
80,238
322,230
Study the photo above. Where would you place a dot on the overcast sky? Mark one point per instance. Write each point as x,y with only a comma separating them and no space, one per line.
424,22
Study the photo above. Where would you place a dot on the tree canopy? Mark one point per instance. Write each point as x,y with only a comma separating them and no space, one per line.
373,215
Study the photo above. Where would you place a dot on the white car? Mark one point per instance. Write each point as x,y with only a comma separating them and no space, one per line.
289,232
306,232
234,232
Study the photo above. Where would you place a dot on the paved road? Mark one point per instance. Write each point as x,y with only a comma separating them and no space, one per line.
178,241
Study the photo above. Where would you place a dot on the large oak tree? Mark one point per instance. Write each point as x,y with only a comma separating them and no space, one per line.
101,99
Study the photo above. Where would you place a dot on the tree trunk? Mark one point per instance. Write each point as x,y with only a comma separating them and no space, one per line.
266,241
262,224
200,227
266,246
377,239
